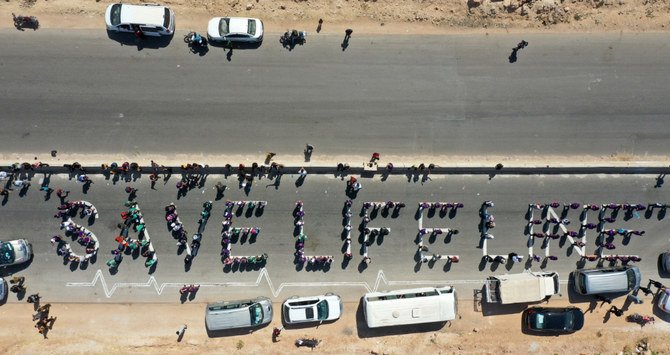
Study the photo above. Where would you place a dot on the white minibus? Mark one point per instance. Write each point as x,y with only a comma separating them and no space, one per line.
411,306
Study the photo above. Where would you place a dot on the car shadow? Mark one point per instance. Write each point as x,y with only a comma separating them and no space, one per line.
305,325
15,269
494,309
232,332
241,46
129,39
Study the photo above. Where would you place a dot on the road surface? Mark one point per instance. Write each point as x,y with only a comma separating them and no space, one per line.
78,91
394,258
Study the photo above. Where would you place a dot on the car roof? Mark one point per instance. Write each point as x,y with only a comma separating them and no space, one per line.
238,25
141,14
612,281
233,314
553,314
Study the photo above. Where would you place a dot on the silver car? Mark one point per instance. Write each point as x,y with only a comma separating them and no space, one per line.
664,300
665,261
238,314
3,289
15,252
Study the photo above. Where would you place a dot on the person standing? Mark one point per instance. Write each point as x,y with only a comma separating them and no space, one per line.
181,331
276,332
34,298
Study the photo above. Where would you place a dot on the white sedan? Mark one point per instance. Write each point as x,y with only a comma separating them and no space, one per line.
312,309
235,29
15,252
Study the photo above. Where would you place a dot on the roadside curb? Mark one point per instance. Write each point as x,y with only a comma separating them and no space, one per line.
330,170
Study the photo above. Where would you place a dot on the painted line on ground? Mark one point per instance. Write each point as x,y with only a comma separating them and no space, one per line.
151,282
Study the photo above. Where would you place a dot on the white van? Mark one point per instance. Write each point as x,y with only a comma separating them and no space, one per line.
411,306
152,19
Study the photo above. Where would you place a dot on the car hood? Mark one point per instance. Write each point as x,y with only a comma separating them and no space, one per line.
213,27
334,308
21,250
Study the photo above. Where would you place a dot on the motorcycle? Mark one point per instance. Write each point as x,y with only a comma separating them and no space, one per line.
310,343
292,38
21,22
195,41
640,319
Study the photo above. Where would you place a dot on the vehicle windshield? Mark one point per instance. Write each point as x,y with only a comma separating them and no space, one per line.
251,29
223,26
322,310
166,18
115,15
582,283
631,279
6,254
256,312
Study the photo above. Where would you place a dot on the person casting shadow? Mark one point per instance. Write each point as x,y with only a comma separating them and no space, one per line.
347,36
513,57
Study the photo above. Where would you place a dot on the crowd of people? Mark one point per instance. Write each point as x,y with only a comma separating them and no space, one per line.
314,261
83,236
422,248
607,214
87,239
230,234
132,220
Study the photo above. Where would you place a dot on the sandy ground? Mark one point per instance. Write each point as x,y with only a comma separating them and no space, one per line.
150,328
297,160
377,16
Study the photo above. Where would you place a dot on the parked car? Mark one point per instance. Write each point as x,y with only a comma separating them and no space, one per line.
15,252
237,314
665,262
312,309
150,19
664,300
614,279
235,29
553,320
3,289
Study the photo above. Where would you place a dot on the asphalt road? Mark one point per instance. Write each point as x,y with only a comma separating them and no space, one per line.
32,217
568,94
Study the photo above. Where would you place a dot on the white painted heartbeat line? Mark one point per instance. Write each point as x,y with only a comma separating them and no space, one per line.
100,277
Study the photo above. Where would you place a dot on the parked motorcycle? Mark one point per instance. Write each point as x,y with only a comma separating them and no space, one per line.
21,22
310,343
195,41
292,38
640,319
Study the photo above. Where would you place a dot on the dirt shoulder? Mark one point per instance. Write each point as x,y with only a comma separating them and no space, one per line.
150,328
354,160
378,16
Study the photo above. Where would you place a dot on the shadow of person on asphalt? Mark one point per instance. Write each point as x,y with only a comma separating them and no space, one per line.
512,57
659,180
347,37
129,39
